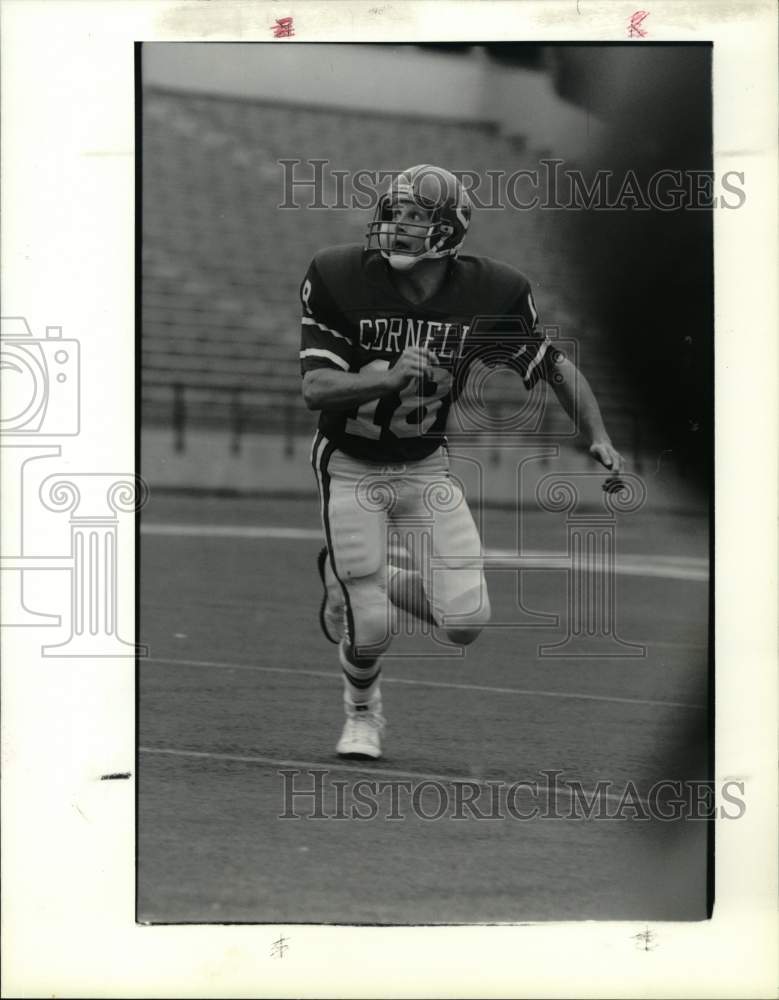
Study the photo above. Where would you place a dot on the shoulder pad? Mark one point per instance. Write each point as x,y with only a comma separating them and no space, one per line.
339,264
496,282
504,279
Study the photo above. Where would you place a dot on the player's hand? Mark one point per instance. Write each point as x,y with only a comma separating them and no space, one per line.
605,453
414,362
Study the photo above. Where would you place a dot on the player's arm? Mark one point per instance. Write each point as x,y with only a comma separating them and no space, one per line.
536,357
579,402
327,355
327,388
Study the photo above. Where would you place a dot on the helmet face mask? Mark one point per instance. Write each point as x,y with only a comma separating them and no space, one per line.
424,216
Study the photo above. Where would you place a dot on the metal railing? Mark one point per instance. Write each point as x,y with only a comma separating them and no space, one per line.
274,409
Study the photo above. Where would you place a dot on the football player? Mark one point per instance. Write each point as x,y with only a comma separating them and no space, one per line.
389,330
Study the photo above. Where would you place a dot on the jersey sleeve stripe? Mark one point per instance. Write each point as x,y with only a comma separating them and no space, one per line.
318,352
533,311
310,321
536,360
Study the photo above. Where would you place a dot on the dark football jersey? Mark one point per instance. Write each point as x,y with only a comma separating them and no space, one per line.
354,318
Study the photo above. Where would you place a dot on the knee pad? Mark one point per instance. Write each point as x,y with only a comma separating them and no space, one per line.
468,610
369,617
463,636
467,615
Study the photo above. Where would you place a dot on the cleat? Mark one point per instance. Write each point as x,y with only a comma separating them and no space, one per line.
361,737
331,615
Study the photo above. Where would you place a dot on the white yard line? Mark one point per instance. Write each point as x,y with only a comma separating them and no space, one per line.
229,531
333,676
386,772
663,566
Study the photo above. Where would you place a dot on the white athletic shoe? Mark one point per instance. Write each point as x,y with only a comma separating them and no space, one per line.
332,609
362,731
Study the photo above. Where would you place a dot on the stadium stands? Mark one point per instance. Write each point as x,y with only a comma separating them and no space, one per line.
222,263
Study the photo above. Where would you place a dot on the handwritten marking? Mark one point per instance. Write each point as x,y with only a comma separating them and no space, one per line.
645,940
115,776
636,20
279,947
283,28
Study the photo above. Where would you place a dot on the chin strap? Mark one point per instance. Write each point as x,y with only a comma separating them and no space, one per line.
414,259
403,262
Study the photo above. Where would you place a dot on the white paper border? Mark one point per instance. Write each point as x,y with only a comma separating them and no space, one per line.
68,259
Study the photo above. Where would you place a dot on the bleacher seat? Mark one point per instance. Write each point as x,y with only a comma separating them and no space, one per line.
222,264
